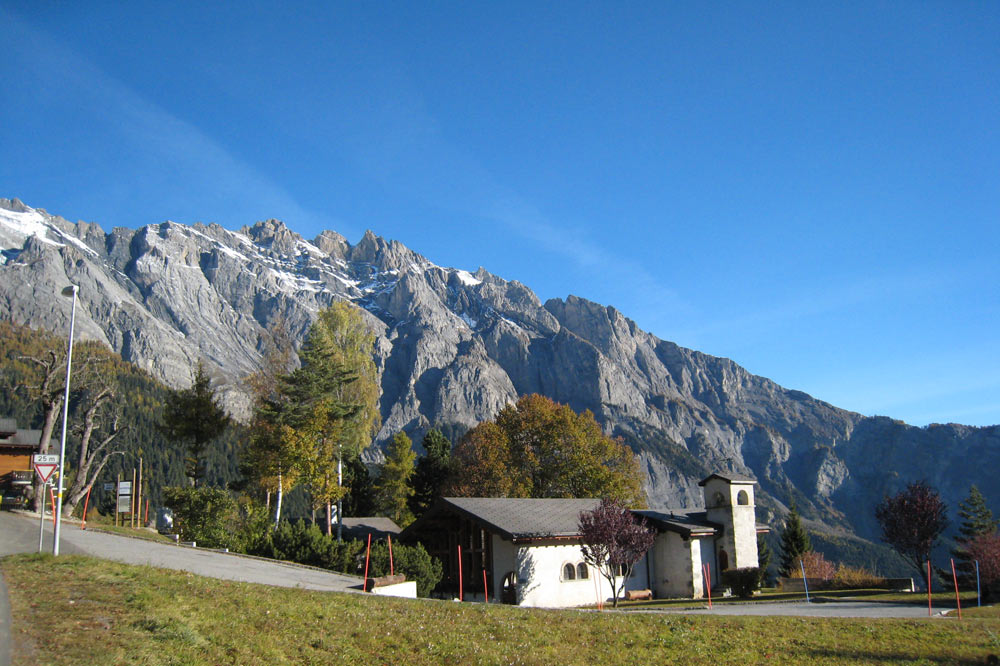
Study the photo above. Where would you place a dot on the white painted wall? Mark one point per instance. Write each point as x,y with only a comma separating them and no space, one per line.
673,564
407,589
540,568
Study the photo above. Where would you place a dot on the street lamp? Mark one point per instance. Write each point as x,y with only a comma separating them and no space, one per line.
69,291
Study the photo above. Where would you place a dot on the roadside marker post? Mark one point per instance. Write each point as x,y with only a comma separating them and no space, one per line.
958,600
805,581
706,569
486,594
460,573
41,520
52,496
86,503
929,613
367,555
979,597
392,569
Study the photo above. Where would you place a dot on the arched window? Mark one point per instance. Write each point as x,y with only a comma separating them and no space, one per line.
742,497
569,572
581,571
509,593
723,560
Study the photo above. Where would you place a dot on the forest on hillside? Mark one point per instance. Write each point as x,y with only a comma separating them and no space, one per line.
137,405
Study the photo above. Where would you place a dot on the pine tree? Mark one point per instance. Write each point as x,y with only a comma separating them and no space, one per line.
193,418
977,520
431,473
763,558
794,542
360,499
393,486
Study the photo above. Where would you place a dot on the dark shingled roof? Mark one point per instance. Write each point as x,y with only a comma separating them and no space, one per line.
684,524
732,478
19,438
518,518
377,526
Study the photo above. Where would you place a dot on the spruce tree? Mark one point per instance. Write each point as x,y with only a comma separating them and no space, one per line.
360,499
794,542
431,473
763,558
977,520
193,418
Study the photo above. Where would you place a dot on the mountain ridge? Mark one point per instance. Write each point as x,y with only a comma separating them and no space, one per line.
453,347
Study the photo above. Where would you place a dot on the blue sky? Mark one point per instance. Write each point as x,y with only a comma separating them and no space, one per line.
809,188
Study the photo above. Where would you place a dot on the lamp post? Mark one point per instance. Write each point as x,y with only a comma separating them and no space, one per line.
69,291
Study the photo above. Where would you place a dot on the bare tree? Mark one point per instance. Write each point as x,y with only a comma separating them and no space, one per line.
49,390
100,415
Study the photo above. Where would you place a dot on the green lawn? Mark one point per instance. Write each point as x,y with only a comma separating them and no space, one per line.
79,610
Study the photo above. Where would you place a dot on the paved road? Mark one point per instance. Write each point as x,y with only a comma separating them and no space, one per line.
19,534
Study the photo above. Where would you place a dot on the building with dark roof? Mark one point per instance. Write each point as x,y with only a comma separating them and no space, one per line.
17,445
527,551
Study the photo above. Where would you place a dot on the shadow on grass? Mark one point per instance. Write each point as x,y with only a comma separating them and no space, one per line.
940,601
854,656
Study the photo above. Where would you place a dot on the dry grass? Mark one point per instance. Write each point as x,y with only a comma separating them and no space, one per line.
93,611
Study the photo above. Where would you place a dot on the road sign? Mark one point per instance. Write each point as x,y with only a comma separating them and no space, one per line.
125,488
45,464
124,504
108,487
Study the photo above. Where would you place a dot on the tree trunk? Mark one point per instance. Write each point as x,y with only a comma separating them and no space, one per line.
86,472
277,502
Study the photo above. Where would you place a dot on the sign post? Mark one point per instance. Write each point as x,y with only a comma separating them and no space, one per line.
44,464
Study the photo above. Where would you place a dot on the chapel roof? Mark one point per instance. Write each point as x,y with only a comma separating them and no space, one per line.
522,518
731,478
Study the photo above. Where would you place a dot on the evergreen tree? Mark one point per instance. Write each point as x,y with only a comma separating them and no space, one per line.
977,520
763,558
794,542
976,517
193,418
313,417
431,473
360,498
393,486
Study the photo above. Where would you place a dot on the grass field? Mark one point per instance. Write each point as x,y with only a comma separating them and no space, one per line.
79,610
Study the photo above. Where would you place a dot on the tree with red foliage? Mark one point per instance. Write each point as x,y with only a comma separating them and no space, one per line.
912,522
613,541
985,549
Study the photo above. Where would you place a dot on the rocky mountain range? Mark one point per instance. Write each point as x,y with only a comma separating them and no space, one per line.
453,347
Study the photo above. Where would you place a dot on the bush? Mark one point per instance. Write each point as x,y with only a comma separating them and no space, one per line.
304,543
743,581
208,516
856,578
413,561
816,566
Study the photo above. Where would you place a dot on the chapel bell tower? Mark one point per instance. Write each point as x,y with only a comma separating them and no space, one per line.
729,502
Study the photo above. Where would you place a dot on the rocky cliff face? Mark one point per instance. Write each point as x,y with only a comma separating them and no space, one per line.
454,347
